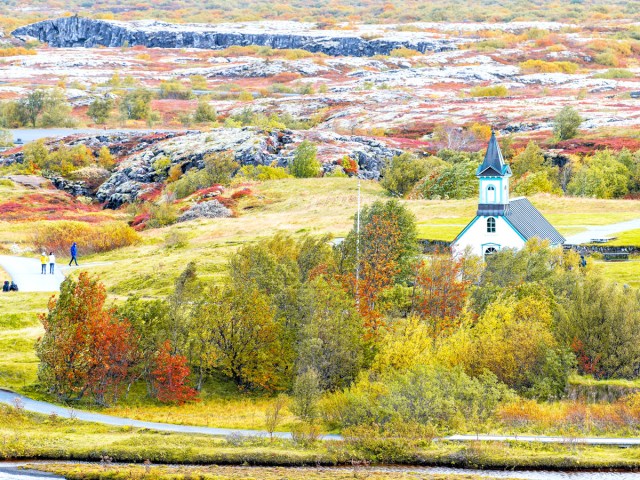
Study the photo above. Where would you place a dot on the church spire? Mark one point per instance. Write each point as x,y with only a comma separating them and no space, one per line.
493,164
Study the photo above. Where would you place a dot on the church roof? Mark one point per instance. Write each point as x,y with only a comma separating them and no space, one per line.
527,220
493,164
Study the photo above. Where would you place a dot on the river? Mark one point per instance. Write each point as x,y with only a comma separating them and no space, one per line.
26,135
11,471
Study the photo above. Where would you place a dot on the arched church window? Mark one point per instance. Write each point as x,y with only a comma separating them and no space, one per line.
490,250
491,225
491,193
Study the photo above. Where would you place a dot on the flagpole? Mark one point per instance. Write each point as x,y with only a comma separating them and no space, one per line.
358,244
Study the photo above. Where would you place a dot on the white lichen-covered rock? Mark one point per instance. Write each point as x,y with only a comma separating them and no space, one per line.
249,146
210,209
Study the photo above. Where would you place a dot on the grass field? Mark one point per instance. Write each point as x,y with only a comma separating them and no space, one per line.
31,436
19,329
314,206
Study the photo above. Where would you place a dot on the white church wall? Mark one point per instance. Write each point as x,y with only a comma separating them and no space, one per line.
478,239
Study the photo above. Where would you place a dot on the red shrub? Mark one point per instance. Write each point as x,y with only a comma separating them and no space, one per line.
171,376
245,192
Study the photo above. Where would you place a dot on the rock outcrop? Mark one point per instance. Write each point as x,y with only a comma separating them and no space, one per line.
250,146
85,32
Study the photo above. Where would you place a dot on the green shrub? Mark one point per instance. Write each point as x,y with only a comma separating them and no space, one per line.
402,172
440,397
489,91
566,123
305,163
263,172
218,169
615,73
542,66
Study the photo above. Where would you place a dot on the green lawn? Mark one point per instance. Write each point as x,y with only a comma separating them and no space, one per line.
628,238
624,272
19,329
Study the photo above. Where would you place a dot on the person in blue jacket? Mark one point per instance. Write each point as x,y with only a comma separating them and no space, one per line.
74,253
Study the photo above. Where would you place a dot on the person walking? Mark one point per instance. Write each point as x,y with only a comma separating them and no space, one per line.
74,253
43,263
52,262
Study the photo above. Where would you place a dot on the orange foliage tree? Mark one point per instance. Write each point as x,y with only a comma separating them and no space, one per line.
441,291
171,377
382,254
85,348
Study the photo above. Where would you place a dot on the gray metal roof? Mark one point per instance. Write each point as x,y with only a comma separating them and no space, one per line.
527,220
493,164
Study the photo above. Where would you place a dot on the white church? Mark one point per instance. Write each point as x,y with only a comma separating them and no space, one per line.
501,222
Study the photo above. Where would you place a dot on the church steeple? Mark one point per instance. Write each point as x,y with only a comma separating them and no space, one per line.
493,164
493,175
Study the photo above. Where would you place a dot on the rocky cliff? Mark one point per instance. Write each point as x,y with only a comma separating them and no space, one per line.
85,32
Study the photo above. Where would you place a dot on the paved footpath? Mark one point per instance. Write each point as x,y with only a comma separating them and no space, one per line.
46,408
25,272
602,231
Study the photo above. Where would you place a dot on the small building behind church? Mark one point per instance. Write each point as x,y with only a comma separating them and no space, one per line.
501,222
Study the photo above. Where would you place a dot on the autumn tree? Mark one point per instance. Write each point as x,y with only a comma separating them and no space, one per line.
171,377
85,347
150,322
440,291
243,337
600,321
331,337
384,252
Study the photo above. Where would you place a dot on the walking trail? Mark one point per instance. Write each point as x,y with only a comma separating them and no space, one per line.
46,408
602,231
25,272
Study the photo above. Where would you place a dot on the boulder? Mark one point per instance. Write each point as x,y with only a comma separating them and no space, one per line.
209,209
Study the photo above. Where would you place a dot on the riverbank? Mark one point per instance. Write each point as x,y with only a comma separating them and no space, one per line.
385,472
29,436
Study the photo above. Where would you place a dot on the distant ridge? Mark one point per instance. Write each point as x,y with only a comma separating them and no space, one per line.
85,32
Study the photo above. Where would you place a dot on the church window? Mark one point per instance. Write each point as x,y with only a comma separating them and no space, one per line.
491,194
491,225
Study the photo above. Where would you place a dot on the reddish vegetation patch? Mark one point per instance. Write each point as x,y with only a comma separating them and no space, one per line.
587,147
139,222
245,192
403,143
151,194
171,106
50,206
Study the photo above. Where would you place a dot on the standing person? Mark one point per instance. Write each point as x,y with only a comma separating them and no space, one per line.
43,263
74,254
52,262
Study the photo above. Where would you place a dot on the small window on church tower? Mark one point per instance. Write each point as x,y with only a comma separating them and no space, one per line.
491,193
491,225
